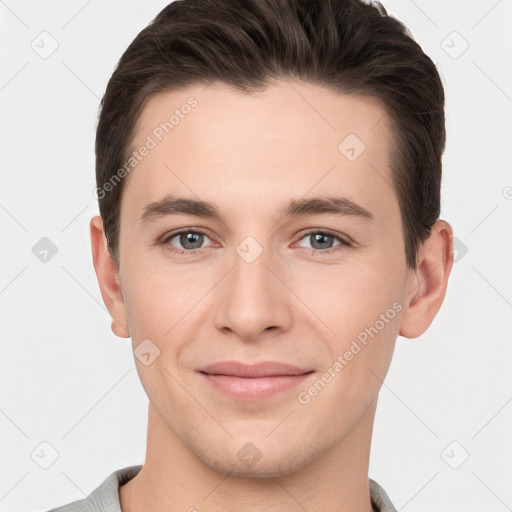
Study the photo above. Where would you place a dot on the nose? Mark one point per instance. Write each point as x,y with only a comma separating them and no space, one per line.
253,298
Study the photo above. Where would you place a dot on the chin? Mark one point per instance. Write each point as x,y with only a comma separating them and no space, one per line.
250,462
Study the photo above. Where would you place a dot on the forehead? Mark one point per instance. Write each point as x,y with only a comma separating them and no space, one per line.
285,140
303,111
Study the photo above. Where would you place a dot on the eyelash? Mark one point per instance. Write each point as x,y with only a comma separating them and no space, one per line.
343,242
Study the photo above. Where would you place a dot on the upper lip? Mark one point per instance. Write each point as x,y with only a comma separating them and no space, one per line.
263,369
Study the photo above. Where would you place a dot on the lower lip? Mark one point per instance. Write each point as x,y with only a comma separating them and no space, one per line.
253,389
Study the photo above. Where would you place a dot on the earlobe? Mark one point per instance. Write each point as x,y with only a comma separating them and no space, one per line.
429,282
108,278
119,330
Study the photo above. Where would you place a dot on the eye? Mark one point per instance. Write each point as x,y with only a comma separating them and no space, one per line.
190,240
322,241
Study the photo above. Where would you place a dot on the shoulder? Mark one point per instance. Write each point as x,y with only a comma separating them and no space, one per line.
104,498
379,497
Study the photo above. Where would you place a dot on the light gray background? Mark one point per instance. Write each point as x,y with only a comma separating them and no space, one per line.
67,380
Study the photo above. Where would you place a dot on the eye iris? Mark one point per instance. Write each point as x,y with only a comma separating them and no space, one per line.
320,237
193,238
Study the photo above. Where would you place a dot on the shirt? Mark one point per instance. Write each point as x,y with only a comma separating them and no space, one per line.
105,498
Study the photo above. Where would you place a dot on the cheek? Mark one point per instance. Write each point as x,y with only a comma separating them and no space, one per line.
362,309
351,296
361,353
164,303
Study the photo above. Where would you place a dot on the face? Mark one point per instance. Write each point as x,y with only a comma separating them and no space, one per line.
273,277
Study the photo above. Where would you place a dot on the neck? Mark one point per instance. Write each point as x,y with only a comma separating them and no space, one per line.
174,479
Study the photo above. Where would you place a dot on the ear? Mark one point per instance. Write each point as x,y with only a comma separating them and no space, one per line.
428,283
108,278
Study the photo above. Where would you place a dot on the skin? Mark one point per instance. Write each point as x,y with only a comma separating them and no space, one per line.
250,155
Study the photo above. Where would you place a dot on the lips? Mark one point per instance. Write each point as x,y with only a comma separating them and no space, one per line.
255,382
263,369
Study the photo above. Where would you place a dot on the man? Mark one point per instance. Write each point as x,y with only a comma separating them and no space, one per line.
269,188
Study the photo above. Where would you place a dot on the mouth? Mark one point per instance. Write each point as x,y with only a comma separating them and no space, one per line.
253,382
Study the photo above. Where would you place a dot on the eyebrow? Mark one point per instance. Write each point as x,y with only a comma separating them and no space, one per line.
173,205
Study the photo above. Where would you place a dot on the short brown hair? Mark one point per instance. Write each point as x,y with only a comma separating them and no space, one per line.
349,46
